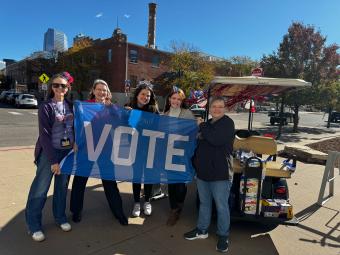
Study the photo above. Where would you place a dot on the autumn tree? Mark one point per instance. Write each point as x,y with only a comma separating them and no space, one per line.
80,60
189,68
302,54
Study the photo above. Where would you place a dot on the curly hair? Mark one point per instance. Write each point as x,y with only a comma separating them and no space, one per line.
152,106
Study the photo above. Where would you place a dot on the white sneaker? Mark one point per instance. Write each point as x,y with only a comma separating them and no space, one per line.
66,227
147,208
38,236
136,210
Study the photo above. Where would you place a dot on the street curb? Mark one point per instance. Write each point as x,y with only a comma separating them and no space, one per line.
16,148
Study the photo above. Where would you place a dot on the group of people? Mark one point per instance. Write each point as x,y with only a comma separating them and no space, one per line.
212,161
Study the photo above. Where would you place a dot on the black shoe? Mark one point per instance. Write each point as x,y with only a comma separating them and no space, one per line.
123,221
196,234
76,217
222,244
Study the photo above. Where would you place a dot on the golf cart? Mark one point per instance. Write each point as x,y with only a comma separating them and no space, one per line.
259,191
287,117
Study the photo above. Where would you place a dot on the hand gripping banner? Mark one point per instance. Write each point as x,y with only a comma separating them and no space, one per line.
131,145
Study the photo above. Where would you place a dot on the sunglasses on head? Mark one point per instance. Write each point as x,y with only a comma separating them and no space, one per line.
59,85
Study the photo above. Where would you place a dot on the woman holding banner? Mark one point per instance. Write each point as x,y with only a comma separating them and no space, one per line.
55,141
100,93
144,99
213,163
177,191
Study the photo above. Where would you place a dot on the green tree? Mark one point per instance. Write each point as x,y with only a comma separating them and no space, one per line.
82,62
190,68
302,54
329,98
242,65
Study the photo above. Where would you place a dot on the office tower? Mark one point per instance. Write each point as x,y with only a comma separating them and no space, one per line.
55,41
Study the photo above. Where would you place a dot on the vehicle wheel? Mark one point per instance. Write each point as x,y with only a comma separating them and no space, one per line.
286,123
272,122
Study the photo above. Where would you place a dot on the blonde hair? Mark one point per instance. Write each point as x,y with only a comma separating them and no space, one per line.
95,83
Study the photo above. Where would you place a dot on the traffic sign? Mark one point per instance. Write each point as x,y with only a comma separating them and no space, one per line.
257,72
43,86
44,78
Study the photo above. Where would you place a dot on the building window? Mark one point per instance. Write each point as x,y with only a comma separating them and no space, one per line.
109,55
94,58
155,61
133,56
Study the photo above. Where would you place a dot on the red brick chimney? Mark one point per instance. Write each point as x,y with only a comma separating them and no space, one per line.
152,26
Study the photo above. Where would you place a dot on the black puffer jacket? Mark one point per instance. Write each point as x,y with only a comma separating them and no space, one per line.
213,153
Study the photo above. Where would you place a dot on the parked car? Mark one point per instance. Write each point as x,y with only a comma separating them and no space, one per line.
335,117
26,100
287,117
197,110
11,99
4,95
8,97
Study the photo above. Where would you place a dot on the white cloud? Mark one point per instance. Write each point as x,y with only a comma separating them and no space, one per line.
127,16
99,15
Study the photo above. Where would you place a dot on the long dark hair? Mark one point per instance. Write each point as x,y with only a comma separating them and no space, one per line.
152,106
167,101
50,93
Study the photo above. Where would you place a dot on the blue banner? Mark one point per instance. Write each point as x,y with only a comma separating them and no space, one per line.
131,145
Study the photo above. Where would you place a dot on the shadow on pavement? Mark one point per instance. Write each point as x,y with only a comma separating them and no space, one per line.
100,233
309,212
288,135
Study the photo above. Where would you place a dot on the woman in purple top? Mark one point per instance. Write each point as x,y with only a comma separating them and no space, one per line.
55,140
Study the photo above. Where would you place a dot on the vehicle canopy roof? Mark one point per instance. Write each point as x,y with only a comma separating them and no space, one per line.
238,89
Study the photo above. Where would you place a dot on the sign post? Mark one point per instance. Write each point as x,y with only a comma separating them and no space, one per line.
44,79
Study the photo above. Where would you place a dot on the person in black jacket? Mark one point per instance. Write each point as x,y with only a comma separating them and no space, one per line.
144,99
214,173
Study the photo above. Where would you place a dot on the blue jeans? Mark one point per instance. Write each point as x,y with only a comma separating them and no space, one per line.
219,191
38,193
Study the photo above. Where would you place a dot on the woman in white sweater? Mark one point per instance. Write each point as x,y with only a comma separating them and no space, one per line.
177,191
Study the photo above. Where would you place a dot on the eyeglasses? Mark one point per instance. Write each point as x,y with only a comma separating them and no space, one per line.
59,85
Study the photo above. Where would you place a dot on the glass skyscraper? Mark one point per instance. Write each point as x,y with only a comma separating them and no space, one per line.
55,41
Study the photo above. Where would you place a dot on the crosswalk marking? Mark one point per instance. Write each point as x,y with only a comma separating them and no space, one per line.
20,113
15,113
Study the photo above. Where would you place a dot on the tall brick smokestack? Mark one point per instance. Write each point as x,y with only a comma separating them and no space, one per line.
152,26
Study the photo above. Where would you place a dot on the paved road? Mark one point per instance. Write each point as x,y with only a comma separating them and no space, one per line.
19,127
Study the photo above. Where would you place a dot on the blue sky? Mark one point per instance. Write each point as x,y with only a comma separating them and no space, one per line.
222,28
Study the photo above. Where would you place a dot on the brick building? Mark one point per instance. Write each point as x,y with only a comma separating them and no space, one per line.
113,59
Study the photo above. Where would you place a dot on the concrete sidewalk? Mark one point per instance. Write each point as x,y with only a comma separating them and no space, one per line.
99,233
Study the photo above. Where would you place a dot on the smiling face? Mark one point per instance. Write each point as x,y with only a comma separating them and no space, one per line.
59,87
143,98
175,101
217,109
100,92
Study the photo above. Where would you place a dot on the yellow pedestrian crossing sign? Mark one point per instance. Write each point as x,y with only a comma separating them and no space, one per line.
44,78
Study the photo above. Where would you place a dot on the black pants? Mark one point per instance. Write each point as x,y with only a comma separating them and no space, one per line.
136,187
111,192
177,193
